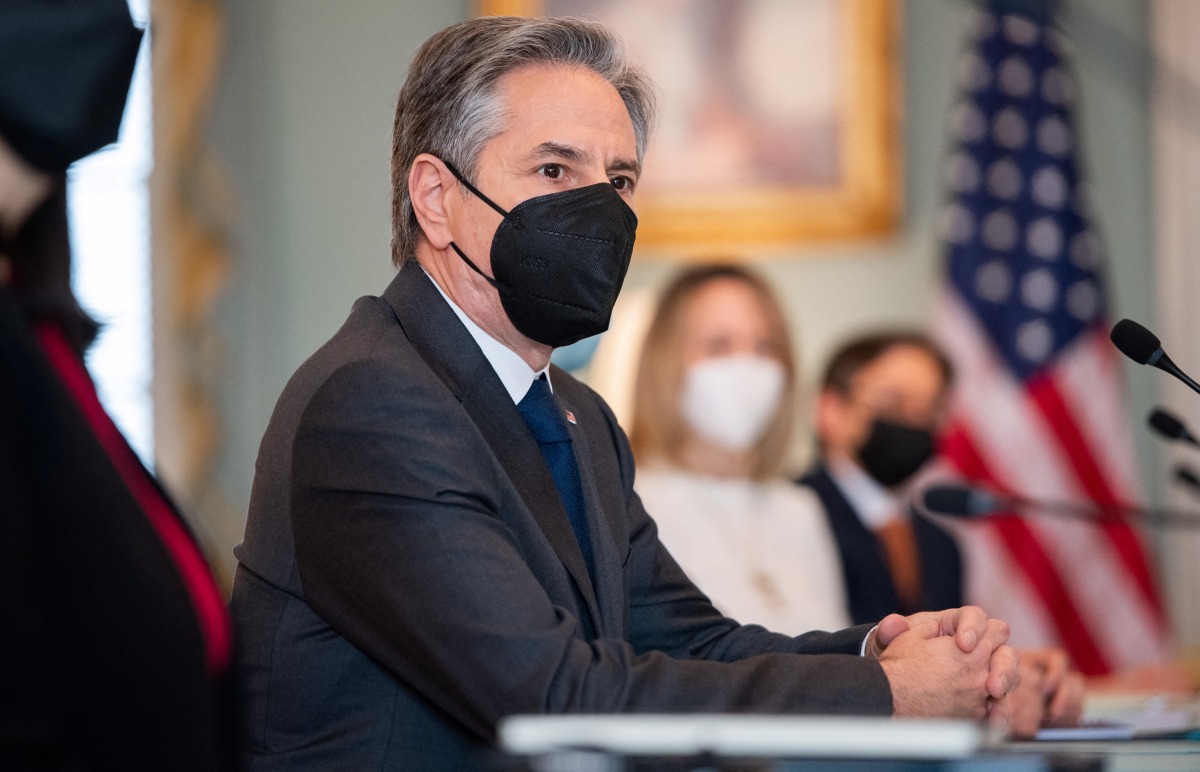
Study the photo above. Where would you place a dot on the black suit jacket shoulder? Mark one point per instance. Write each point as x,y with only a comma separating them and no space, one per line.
409,576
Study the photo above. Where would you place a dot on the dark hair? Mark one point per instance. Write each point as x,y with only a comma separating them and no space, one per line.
861,351
448,106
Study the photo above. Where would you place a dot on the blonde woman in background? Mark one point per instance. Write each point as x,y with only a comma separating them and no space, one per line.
713,414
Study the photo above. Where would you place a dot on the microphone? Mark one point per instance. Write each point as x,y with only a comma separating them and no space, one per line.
967,502
1170,427
1142,346
961,501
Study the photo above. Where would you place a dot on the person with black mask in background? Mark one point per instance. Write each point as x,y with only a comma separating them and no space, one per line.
116,645
883,396
883,399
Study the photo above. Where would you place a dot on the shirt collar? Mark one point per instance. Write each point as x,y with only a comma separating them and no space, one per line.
514,373
874,504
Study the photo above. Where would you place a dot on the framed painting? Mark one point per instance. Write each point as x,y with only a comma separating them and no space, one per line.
777,118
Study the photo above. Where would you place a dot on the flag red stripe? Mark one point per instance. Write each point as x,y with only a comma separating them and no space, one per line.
1025,549
1045,394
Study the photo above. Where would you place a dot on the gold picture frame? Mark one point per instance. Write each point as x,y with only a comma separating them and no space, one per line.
860,199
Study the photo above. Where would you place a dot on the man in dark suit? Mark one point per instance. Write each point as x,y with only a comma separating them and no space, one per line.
882,397
443,529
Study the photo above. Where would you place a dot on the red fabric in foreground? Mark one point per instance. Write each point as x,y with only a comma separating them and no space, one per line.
210,611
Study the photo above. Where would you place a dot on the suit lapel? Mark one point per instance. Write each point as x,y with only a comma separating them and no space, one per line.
870,550
436,332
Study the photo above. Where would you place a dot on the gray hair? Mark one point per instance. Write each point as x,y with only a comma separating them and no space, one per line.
448,105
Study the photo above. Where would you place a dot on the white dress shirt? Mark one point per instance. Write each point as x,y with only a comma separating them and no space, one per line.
515,374
875,505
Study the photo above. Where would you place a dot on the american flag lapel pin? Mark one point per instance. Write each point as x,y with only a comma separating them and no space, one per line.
570,418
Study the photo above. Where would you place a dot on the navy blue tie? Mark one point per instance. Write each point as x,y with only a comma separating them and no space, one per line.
545,420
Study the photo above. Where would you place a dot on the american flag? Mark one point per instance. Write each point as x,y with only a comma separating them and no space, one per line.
1038,406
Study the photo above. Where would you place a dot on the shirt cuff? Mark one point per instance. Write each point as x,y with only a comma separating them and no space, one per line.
862,650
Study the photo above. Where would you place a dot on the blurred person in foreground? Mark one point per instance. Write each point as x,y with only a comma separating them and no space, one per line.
116,645
443,530
882,401
713,416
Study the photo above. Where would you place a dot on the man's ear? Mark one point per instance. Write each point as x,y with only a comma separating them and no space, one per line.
430,184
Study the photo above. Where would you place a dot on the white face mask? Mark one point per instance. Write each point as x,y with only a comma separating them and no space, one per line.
731,400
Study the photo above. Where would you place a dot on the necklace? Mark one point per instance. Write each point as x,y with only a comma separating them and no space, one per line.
767,588
764,584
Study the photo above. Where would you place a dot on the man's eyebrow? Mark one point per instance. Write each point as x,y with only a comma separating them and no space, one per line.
558,150
626,165
572,153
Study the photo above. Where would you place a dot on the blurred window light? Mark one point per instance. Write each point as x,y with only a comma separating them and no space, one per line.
109,211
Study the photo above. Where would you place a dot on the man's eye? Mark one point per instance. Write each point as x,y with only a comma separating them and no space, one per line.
622,182
552,171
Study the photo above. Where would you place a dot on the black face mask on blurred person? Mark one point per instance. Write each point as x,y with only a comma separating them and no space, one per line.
558,261
894,452
67,66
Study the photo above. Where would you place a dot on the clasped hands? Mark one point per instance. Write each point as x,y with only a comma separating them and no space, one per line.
948,664
957,664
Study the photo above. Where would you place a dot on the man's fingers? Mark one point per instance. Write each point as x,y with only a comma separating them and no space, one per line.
889,627
1033,677
995,634
967,624
1027,702
1055,667
926,628
1066,706
999,712
1003,672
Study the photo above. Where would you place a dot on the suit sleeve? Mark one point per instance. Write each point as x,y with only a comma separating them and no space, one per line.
400,548
669,613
